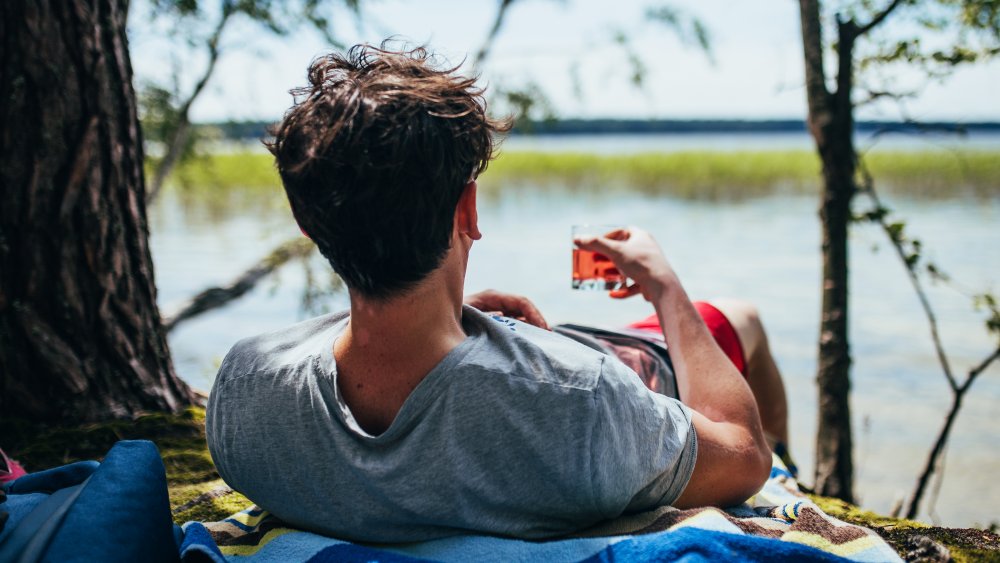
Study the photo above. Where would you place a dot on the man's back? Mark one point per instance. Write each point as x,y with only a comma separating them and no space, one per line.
518,431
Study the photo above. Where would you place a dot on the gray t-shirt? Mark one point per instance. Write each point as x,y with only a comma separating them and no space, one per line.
518,432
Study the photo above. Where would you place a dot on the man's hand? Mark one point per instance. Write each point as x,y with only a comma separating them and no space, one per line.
636,255
514,306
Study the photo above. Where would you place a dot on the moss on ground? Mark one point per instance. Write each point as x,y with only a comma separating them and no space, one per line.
191,475
180,438
210,501
963,544
197,492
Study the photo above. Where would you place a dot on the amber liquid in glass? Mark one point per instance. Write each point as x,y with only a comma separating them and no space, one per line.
592,270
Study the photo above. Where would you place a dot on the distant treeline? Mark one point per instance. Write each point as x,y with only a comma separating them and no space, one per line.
252,130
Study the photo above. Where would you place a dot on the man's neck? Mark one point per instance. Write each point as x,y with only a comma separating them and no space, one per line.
426,318
389,347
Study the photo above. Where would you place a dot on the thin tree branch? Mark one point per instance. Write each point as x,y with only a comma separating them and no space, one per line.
878,18
176,143
942,439
920,128
875,95
958,391
332,40
913,126
484,50
215,297
938,483
976,371
869,188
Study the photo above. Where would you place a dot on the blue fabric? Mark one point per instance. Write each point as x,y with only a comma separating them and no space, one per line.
178,537
19,506
491,548
197,545
691,545
53,479
123,513
27,492
352,553
686,545
706,534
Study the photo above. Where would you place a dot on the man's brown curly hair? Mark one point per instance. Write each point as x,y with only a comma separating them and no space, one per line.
374,156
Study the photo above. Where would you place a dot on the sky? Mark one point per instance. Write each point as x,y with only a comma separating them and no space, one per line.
567,48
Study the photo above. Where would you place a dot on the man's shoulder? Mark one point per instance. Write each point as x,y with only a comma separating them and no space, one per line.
526,352
287,346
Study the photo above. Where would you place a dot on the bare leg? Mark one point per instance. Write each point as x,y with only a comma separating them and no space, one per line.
761,371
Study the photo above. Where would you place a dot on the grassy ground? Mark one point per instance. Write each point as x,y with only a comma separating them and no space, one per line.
197,492
692,175
907,536
180,438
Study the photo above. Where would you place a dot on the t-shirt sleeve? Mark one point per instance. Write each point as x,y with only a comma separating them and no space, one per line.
644,444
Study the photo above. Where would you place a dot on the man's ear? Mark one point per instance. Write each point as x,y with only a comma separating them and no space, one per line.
466,214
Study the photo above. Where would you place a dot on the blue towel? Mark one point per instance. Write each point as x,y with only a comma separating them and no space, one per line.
777,524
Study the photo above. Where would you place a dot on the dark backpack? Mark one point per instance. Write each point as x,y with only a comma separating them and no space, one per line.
116,510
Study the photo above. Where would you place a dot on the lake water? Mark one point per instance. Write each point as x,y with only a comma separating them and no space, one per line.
664,142
764,250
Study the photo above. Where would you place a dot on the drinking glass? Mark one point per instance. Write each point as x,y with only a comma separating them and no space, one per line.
593,270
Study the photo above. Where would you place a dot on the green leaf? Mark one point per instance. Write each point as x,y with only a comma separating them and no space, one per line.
872,215
936,274
895,230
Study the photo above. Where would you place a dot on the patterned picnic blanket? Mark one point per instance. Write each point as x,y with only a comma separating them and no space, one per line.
777,524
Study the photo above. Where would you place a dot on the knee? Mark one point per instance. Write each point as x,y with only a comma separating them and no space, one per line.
745,320
739,312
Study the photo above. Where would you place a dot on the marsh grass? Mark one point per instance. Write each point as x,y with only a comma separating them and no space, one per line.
938,174
704,175
685,175
709,175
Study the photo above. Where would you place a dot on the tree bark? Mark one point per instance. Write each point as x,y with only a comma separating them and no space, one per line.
80,332
832,126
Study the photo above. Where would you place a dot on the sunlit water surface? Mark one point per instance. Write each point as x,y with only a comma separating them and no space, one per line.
763,250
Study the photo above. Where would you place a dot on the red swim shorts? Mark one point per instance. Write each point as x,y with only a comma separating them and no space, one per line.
717,323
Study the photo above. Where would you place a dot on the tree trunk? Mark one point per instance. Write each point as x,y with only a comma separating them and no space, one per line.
80,332
832,126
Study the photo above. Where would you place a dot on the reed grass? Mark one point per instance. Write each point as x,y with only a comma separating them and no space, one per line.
690,175
252,170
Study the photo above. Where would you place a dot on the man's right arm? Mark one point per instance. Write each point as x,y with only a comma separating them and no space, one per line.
733,457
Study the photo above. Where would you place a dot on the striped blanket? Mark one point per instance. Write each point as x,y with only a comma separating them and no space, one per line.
777,524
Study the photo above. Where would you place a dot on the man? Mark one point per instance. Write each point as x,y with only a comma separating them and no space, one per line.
411,416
